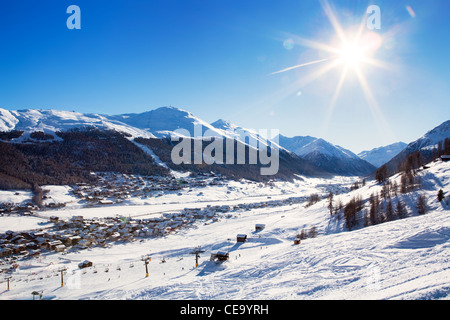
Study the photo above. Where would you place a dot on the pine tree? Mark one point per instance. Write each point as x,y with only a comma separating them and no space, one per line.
372,211
400,210
421,204
403,183
389,211
382,174
377,214
366,218
350,211
394,189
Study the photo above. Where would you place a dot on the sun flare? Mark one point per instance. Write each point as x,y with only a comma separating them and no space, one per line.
351,55
354,50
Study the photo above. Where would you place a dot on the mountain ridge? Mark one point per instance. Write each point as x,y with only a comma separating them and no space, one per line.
162,123
330,157
380,155
426,144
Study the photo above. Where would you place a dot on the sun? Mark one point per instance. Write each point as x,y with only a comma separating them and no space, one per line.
353,49
351,55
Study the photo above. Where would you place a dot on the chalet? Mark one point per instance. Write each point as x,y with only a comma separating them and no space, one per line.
10,234
241,238
297,241
19,240
220,256
54,244
43,243
32,245
224,208
54,219
128,237
70,240
18,248
85,264
114,236
6,252
34,253
38,234
83,244
445,158
77,218
259,227
91,238
60,248
105,202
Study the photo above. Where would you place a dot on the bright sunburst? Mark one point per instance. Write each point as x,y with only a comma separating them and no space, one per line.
352,50
351,55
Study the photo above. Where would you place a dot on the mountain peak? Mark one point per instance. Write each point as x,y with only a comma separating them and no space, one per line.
381,155
224,125
326,155
170,109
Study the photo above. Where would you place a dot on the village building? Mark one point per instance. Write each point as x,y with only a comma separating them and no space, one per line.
259,227
241,238
219,256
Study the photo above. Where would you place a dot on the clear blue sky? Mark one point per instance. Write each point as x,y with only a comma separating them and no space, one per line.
215,59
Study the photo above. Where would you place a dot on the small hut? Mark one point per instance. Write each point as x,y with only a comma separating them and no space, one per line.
241,238
54,219
85,264
220,256
259,226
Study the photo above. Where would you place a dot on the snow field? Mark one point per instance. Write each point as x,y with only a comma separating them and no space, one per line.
401,259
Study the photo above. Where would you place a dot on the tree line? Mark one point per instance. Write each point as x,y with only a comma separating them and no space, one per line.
70,161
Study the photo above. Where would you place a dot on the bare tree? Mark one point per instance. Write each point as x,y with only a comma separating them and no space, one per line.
330,202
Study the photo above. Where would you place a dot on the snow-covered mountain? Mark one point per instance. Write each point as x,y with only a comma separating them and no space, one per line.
430,140
51,121
295,144
381,155
247,136
327,156
167,121
19,127
425,144
158,123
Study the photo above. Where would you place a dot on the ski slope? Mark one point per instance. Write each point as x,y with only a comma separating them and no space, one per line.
401,259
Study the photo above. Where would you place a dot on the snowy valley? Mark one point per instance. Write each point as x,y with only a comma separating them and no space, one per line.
406,258
101,213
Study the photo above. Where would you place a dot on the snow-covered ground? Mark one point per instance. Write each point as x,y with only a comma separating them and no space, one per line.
15,197
234,192
402,259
